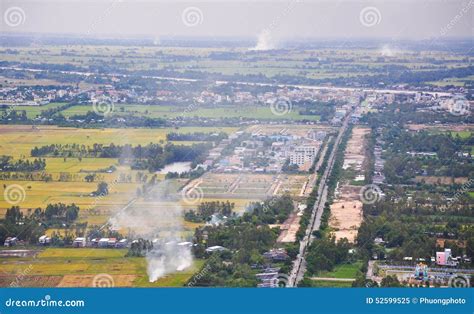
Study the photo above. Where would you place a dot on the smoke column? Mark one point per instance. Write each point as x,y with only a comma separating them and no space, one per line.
158,219
265,41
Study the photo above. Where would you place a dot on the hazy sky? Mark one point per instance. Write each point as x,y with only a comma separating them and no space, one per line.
281,19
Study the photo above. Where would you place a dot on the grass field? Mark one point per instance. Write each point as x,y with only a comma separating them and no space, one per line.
236,111
462,134
33,111
343,271
330,284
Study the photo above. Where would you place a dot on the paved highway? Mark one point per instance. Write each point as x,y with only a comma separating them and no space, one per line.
299,265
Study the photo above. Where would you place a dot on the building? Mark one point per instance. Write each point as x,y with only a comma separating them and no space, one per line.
121,244
44,240
379,241
95,242
112,242
10,241
303,154
79,242
276,255
103,242
445,258
215,248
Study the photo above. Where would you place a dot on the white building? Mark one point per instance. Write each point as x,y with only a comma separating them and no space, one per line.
303,154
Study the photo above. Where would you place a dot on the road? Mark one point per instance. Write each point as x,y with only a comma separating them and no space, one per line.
299,265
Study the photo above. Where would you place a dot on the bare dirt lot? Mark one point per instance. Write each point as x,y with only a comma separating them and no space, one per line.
441,180
346,210
299,130
346,213
446,127
251,186
289,229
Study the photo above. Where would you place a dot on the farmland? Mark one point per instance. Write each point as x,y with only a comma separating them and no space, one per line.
296,63
19,140
170,112
34,111
67,267
269,152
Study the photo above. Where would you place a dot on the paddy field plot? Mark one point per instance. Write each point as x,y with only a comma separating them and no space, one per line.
33,111
40,194
18,140
77,267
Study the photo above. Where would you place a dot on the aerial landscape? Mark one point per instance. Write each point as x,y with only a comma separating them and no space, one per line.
188,161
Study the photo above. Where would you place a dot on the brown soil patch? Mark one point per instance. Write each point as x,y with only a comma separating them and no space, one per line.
441,180
88,280
29,281
289,229
346,217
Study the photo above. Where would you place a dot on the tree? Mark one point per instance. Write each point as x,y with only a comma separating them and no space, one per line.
102,189
390,282
90,178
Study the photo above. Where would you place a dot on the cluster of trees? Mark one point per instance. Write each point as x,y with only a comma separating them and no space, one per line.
8,164
271,211
32,223
390,281
170,153
402,141
51,112
60,214
402,167
97,150
26,176
325,110
139,248
412,232
92,119
196,136
192,174
402,113
245,239
325,253
234,267
29,224
289,168
13,116
102,189
205,210
152,156
241,237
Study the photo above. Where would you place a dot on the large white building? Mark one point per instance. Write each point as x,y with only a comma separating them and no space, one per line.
303,154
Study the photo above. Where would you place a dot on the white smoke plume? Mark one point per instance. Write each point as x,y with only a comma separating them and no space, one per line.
265,41
158,219
389,51
167,257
